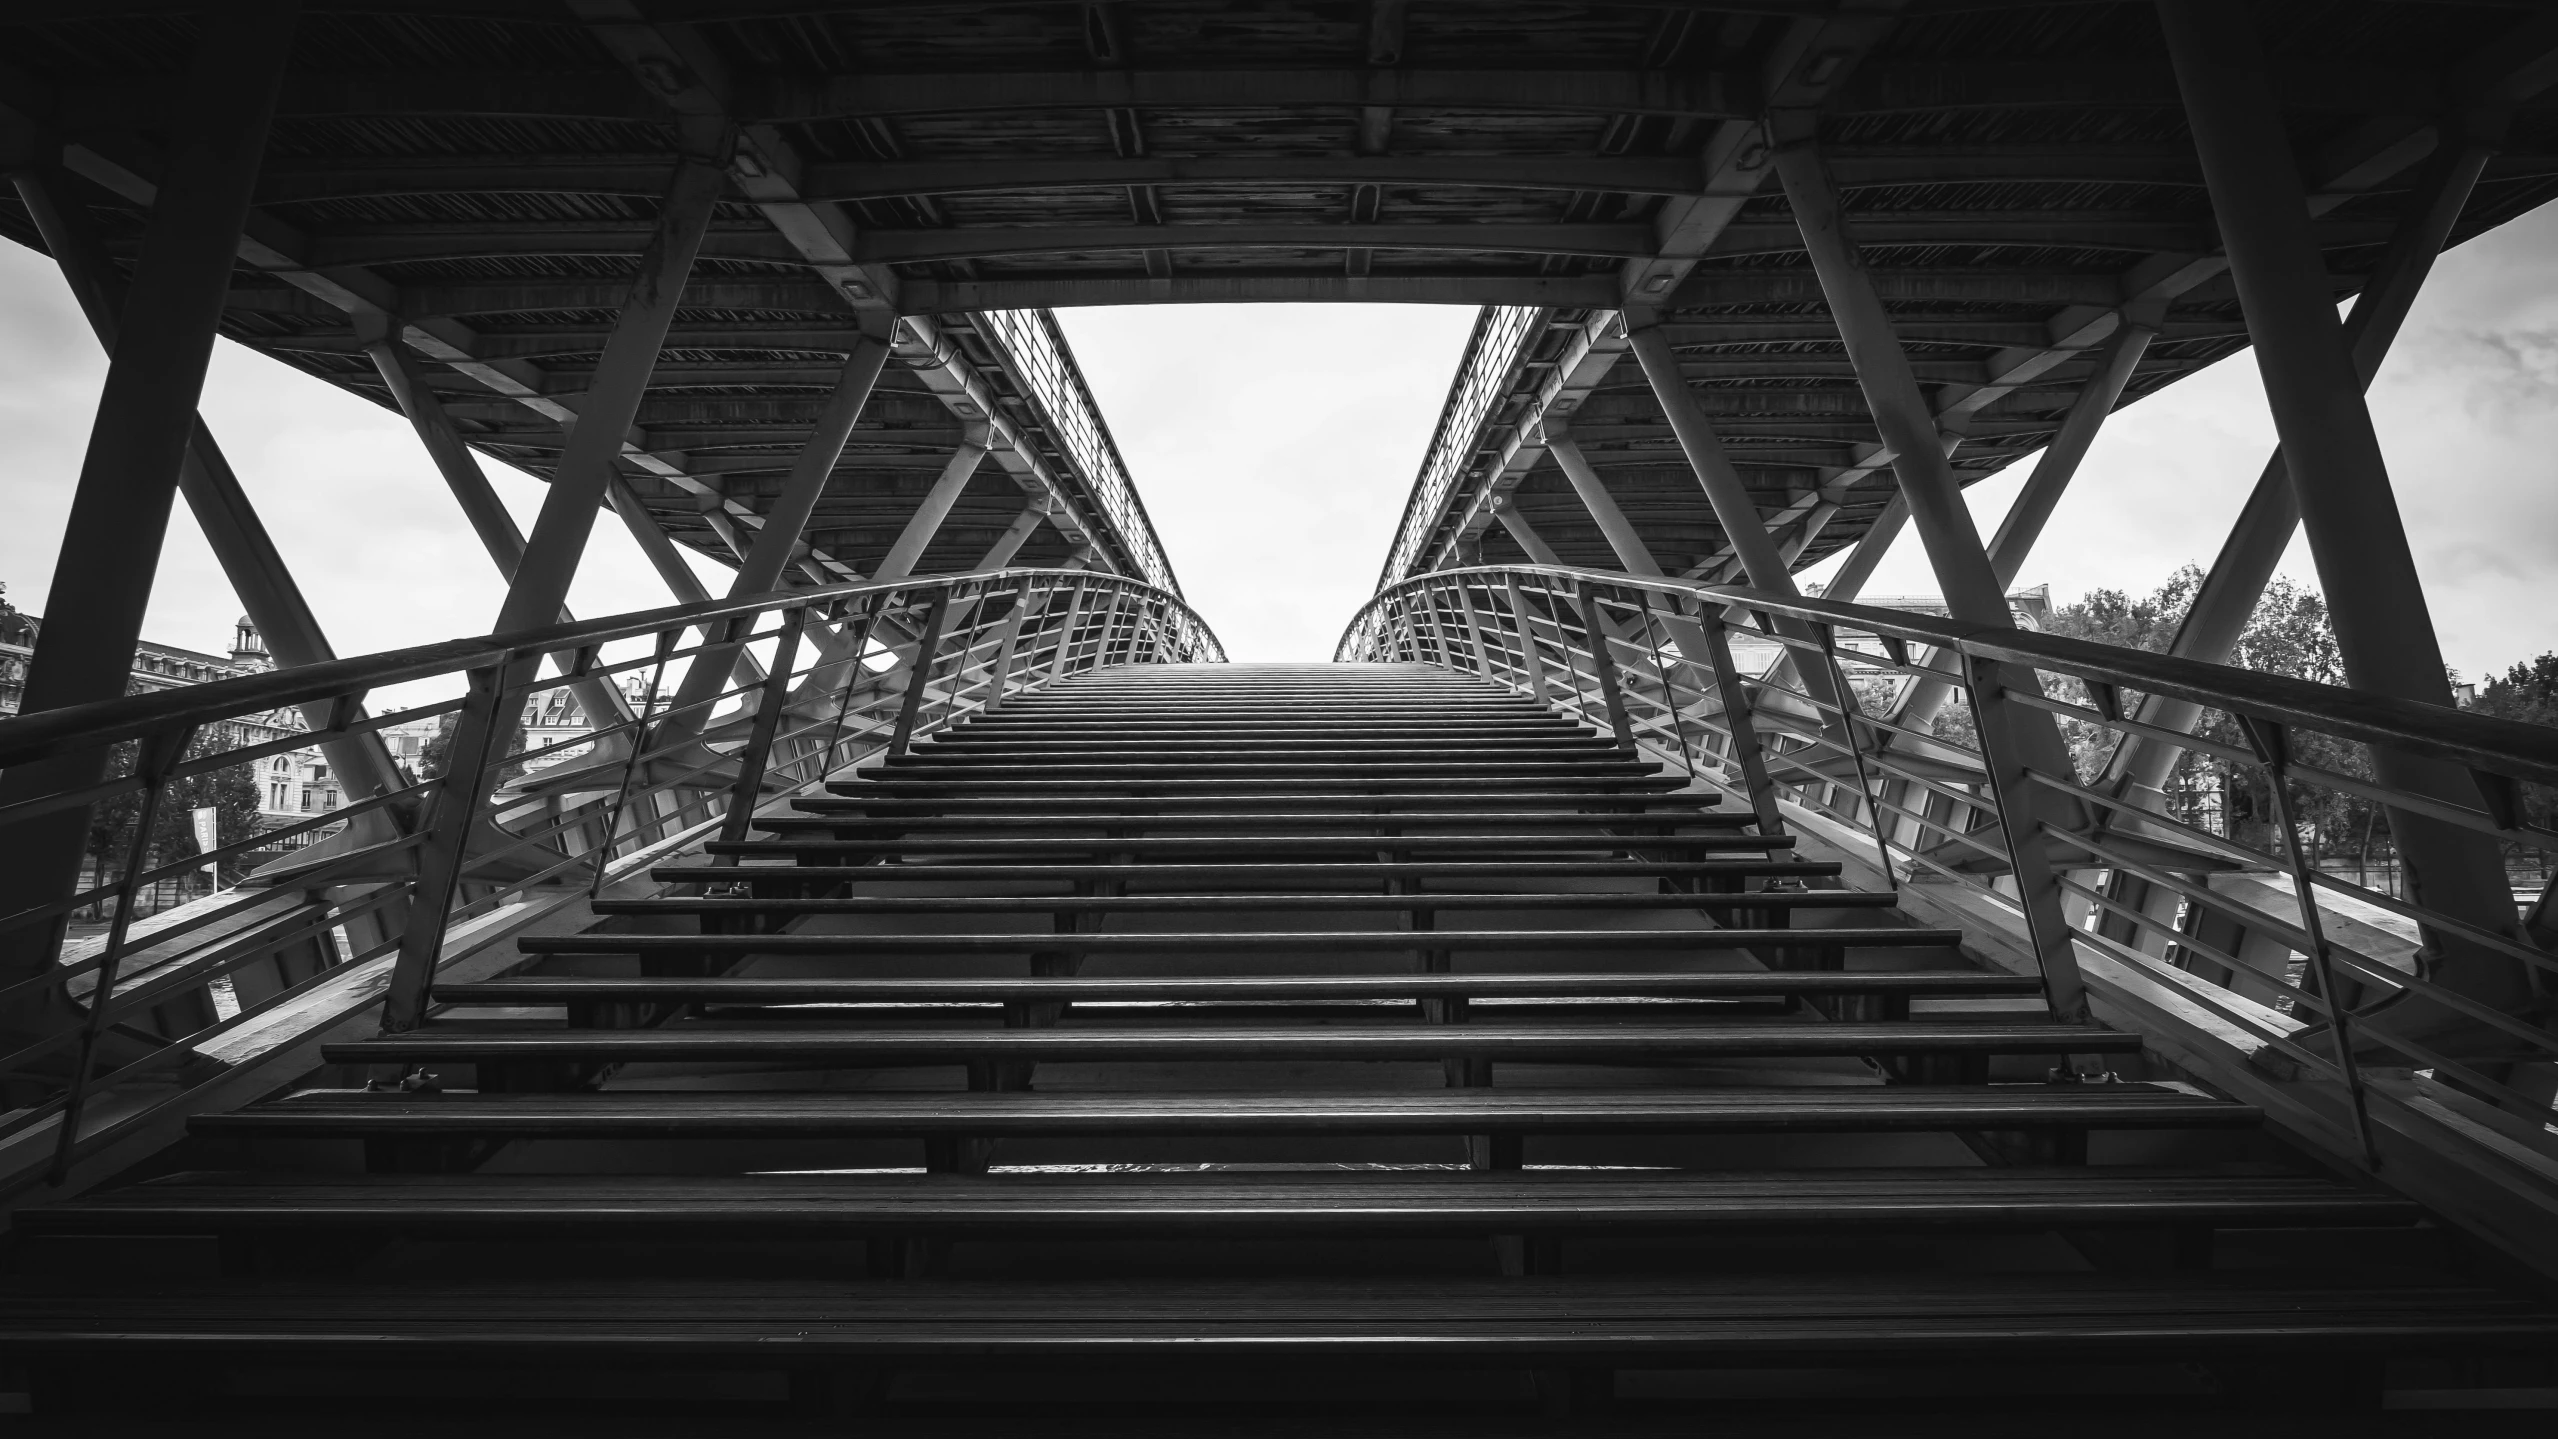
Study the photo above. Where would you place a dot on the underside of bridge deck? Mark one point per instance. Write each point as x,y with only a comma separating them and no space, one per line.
956,987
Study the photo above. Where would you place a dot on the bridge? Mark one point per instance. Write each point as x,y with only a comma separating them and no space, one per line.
1618,988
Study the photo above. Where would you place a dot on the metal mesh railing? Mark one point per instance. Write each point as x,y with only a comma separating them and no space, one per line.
1997,807
117,1029
1500,340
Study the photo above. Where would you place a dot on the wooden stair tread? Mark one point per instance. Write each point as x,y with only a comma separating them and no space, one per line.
1185,903
1243,870
1348,816
1220,941
1190,844
1807,1109
729,989
1553,1200
1235,1043
1590,1319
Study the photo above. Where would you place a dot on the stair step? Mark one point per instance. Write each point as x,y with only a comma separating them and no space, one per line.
795,876
1580,1320
1345,811
715,1207
1214,903
920,767
1106,788
922,839
1208,942
1833,1109
725,989
1066,1044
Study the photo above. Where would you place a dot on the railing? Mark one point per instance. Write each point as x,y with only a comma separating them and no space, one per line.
1998,812
110,1033
1037,355
1502,335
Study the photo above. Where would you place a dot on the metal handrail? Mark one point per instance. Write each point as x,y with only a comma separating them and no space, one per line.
2018,836
463,845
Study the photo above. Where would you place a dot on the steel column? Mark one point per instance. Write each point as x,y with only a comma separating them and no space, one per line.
1871,546
1539,552
1531,659
2384,629
2227,600
811,470
1633,555
766,560
2032,508
1743,526
138,441
453,456
585,472
239,539
935,507
1892,394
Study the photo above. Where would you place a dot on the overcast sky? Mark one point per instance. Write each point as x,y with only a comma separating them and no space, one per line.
1274,446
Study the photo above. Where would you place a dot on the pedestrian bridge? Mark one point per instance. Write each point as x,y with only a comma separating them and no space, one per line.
941,990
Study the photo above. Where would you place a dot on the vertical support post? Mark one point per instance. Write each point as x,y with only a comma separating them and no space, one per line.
1747,755
153,760
138,442
1066,633
1669,692
1603,659
457,802
2272,746
1854,715
2038,889
919,674
1531,659
1003,671
2338,478
755,758
1474,629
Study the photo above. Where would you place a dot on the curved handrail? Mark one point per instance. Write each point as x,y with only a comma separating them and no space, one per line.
1995,813
2526,751
83,727
804,683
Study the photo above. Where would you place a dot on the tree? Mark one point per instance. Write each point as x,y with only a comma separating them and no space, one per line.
231,792
2290,633
434,755
2527,692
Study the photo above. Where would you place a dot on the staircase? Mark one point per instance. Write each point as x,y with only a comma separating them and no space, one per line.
1262,1039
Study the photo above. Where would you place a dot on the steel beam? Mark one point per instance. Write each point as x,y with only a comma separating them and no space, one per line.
231,526
935,507
2384,628
586,467
1744,528
138,444
1633,555
2032,508
2226,602
1539,552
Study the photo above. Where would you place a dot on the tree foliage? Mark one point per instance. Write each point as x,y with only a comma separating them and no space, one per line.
2291,634
231,792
